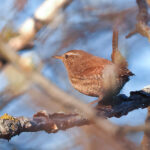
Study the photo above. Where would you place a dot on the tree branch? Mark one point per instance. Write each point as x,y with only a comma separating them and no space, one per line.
50,123
42,16
122,105
142,20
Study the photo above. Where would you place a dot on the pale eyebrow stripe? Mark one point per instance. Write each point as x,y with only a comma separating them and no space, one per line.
70,53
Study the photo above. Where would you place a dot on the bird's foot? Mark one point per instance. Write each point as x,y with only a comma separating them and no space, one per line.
94,102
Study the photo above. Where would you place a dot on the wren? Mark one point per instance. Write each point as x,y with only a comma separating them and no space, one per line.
95,76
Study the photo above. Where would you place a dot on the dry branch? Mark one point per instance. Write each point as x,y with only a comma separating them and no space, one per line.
122,105
43,15
50,123
142,20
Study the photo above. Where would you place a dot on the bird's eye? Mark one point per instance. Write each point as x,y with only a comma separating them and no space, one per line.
66,56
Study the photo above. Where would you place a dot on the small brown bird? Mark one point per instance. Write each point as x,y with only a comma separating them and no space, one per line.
95,76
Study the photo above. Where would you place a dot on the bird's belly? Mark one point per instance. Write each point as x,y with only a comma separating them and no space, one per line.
90,87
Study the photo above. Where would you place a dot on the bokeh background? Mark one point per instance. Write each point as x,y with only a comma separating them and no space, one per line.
83,24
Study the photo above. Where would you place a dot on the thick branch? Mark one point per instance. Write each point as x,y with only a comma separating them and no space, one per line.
50,123
122,105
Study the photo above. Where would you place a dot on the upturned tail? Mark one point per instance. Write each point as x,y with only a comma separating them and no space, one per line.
117,57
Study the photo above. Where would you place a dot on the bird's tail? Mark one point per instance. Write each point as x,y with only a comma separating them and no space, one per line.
115,40
116,56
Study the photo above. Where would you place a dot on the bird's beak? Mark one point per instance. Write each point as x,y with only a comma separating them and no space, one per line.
58,57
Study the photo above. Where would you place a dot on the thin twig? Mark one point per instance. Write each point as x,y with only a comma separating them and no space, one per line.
142,20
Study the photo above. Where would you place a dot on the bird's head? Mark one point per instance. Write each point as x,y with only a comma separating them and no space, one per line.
73,58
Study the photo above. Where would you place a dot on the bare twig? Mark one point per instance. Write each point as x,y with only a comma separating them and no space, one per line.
43,15
142,20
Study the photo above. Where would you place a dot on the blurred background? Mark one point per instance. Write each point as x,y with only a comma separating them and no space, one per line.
81,24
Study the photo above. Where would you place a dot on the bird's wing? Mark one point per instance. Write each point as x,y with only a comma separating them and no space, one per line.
93,72
95,68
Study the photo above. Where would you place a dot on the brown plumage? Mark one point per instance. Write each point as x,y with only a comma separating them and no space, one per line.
95,76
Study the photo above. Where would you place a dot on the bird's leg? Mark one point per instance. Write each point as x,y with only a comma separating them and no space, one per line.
96,101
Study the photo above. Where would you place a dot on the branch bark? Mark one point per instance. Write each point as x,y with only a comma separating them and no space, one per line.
50,123
122,105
